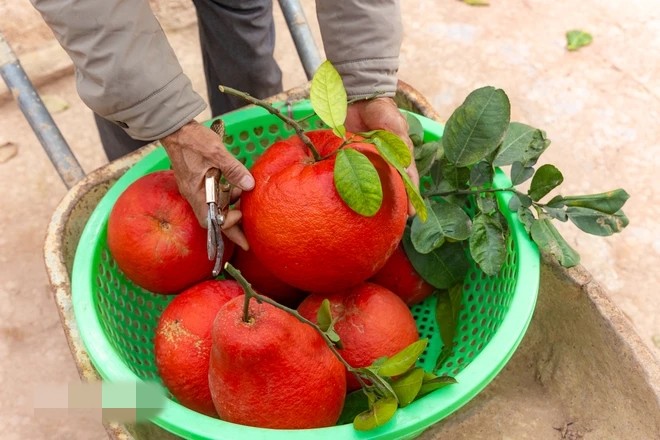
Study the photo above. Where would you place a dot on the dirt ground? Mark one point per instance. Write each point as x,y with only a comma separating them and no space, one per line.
599,106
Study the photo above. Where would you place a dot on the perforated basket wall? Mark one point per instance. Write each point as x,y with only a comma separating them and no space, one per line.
117,319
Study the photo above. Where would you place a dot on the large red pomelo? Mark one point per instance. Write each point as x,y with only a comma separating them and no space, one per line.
300,228
273,371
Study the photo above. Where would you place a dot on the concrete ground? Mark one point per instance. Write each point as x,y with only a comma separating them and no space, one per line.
599,106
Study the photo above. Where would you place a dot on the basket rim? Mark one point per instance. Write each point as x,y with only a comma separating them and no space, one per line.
407,422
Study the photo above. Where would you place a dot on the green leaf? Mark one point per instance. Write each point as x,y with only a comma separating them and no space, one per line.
546,178
436,172
334,337
456,298
477,126
380,413
444,220
481,174
433,382
357,182
443,267
397,154
324,315
556,202
607,202
556,213
392,148
414,196
549,240
415,130
576,39
525,200
445,318
526,216
487,244
403,360
520,173
514,202
425,156
486,203
596,222
326,323
407,386
328,97
447,310
378,362
380,384
456,177
521,143
476,2
519,199
355,403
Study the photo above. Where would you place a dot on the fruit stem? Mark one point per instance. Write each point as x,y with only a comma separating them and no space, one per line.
292,122
251,293
246,306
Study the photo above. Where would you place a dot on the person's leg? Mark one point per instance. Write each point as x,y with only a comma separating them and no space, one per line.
238,39
116,143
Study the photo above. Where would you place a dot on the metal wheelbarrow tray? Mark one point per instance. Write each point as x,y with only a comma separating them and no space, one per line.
580,372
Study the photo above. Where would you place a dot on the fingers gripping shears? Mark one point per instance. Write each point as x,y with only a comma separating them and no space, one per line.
218,194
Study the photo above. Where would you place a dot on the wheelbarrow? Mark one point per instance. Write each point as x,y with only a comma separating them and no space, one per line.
580,371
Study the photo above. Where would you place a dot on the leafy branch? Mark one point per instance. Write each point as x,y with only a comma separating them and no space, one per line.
458,173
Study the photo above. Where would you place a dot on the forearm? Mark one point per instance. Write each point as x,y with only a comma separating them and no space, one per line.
362,39
126,70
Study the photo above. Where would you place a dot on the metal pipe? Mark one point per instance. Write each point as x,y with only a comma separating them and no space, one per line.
302,36
37,115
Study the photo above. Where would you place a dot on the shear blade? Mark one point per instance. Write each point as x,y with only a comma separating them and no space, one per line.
211,233
220,250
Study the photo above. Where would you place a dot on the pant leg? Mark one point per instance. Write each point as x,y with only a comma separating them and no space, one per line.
116,143
238,39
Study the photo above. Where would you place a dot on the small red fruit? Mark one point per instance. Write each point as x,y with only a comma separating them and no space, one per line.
183,342
399,276
155,238
371,322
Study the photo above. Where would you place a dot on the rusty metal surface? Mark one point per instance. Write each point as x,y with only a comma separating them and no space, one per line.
581,371
62,236
407,97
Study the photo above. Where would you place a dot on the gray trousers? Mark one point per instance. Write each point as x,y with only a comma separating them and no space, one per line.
237,39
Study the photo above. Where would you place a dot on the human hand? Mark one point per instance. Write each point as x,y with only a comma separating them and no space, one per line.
383,114
193,150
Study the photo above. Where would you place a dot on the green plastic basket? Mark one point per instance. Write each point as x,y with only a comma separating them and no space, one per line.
117,319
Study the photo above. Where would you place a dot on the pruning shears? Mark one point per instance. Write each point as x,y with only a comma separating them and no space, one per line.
218,194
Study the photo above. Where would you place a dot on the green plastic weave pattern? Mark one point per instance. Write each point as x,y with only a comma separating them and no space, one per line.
117,319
